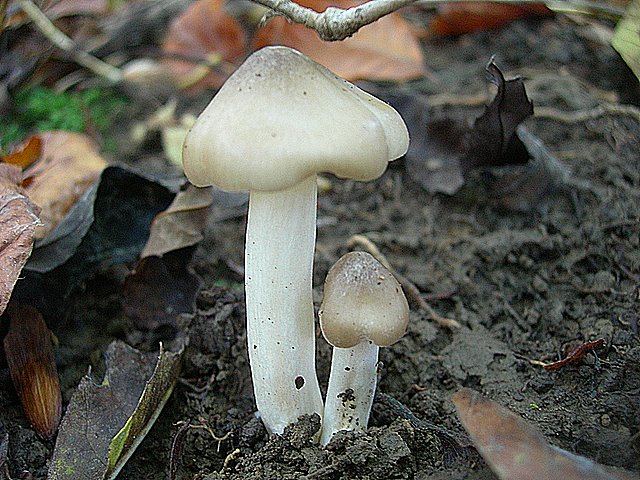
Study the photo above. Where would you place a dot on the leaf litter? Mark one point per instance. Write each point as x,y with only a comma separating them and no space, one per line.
223,376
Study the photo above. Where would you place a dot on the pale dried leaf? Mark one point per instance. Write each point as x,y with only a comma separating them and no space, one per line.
69,165
384,50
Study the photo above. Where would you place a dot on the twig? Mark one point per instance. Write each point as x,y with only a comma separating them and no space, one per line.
60,40
590,114
337,23
409,287
334,23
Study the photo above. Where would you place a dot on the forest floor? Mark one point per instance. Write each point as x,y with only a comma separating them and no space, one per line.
524,284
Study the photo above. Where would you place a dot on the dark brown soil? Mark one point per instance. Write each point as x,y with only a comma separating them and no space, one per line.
524,286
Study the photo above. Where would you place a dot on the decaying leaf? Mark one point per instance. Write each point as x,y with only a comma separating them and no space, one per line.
521,188
516,451
104,423
161,285
459,18
181,225
384,50
493,141
204,32
159,288
25,154
29,351
444,150
109,224
626,37
18,222
69,165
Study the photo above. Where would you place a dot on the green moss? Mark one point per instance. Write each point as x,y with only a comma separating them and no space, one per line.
42,109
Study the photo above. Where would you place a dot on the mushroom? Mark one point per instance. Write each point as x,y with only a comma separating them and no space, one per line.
363,309
278,121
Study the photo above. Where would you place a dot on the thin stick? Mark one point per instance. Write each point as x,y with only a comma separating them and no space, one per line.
409,287
337,23
590,114
334,23
60,40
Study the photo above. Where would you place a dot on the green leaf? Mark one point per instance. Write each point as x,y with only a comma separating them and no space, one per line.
626,37
105,422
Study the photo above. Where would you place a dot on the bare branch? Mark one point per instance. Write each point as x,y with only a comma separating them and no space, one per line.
63,42
335,23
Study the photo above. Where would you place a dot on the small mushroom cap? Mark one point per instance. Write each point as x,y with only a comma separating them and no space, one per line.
362,301
280,118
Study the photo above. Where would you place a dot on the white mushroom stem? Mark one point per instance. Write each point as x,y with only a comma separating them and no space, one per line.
352,386
280,243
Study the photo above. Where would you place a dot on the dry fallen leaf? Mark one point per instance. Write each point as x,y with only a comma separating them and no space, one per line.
444,149
204,32
25,154
18,222
69,165
626,38
459,18
105,422
161,284
29,352
515,450
181,224
385,50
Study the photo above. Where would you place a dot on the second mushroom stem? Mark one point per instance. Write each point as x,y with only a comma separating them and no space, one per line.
280,243
352,386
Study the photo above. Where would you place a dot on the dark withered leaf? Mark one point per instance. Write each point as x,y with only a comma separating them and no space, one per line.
159,288
492,141
108,225
29,352
106,421
522,188
515,450
161,285
444,149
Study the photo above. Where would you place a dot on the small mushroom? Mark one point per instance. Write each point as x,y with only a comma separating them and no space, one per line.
363,309
278,121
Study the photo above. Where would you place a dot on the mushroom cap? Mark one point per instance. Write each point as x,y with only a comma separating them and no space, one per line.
362,301
280,118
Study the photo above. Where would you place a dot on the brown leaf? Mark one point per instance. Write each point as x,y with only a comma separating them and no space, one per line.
160,288
384,50
493,141
69,165
444,150
18,222
161,285
516,451
181,224
29,352
204,32
25,154
459,18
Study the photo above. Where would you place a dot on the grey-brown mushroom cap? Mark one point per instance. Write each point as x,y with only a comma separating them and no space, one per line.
362,302
280,118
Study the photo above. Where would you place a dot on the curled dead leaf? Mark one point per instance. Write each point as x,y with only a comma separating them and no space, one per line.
459,18
515,450
29,352
384,50
68,166
206,44
18,222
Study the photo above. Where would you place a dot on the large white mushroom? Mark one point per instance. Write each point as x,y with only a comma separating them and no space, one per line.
279,120
363,309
